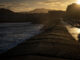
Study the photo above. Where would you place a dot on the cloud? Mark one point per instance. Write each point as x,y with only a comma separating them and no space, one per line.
26,5
23,9
54,4
16,6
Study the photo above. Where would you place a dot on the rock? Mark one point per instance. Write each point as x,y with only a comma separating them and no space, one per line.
72,15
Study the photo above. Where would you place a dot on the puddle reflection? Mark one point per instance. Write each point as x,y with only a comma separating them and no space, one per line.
74,31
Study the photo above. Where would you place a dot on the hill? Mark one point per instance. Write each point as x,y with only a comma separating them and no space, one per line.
41,10
46,19
72,15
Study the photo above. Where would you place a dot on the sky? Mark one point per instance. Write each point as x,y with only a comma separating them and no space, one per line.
28,5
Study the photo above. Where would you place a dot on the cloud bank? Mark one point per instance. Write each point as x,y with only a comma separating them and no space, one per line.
27,5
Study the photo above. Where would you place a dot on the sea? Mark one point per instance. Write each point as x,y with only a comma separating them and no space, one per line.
12,34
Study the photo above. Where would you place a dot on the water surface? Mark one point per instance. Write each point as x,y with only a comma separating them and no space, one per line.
74,31
12,34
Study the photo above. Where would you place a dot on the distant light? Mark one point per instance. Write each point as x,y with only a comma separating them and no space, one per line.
78,2
78,30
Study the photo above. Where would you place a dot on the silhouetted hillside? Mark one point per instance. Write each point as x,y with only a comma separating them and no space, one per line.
56,14
2,10
42,10
73,10
47,19
72,15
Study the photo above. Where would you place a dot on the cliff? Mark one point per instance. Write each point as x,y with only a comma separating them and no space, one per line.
72,15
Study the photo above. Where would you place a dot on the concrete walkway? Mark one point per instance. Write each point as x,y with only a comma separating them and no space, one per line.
56,44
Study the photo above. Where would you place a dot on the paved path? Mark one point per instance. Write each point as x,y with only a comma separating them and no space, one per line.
54,44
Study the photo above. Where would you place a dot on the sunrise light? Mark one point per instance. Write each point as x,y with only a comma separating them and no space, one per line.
78,2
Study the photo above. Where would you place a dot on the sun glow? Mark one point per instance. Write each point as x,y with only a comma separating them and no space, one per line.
78,2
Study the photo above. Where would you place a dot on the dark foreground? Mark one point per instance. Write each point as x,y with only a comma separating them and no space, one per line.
53,44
